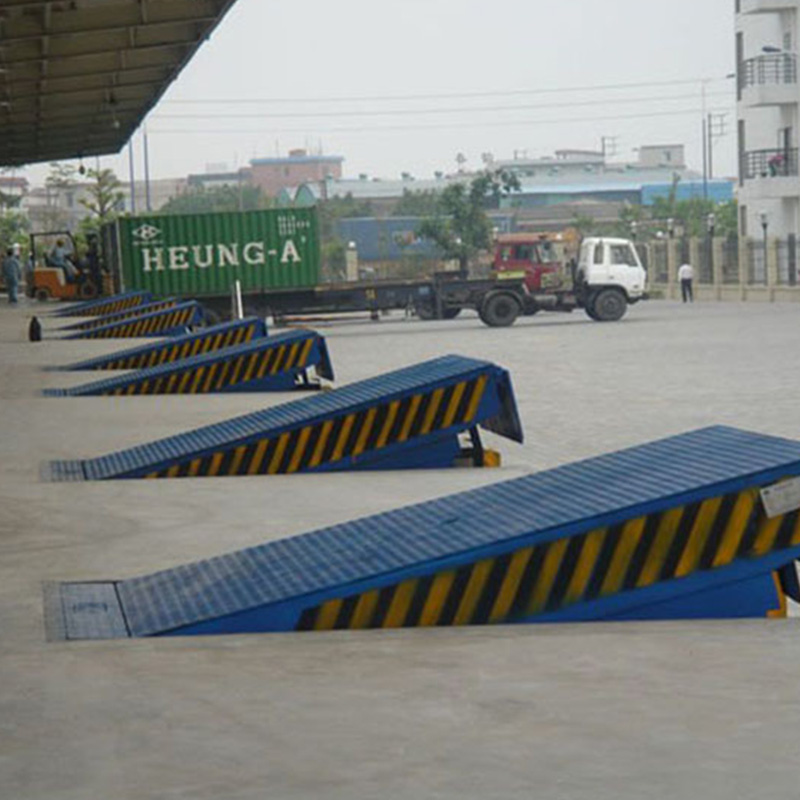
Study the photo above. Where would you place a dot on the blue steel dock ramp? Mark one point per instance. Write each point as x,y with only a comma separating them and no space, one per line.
105,305
167,322
100,321
703,525
279,363
411,418
177,348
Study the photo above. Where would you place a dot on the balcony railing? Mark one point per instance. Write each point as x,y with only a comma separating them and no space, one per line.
768,70
770,163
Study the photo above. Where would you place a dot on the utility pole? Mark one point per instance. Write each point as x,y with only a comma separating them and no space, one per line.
608,145
705,158
716,130
146,172
132,175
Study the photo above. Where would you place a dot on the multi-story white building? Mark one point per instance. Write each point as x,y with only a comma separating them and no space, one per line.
767,33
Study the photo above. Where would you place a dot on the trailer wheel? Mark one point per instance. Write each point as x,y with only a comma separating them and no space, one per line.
499,310
42,294
450,313
610,305
425,310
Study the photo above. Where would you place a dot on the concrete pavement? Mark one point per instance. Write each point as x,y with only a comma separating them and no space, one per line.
630,711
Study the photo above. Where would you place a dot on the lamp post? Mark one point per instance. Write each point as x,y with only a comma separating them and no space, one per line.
765,227
671,228
634,229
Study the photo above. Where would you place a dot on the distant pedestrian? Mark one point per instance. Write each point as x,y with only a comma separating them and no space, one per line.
12,272
686,277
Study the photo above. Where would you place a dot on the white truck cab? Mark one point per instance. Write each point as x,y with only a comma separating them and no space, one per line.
609,277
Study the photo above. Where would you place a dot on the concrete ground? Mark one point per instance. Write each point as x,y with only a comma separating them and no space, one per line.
674,710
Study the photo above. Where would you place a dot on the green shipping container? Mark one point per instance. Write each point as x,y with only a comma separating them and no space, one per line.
195,255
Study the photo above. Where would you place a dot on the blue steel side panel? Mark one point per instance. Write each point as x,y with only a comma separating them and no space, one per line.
79,309
301,412
196,319
458,529
117,316
108,385
102,361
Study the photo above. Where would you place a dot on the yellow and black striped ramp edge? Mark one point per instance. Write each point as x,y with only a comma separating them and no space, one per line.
118,316
671,529
168,322
176,348
105,305
274,364
406,419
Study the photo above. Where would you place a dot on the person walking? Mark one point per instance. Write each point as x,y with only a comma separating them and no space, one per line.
12,272
686,277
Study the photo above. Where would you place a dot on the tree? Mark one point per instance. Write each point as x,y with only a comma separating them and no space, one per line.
60,181
104,199
202,200
460,226
416,204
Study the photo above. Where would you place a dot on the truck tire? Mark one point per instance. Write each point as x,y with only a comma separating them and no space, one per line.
589,309
425,310
499,310
609,305
450,313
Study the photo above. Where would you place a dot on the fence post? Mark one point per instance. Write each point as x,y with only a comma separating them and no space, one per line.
717,260
672,267
694,257
772,268
744,256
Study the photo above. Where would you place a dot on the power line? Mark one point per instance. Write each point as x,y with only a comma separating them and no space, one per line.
442,126
450,95
435,111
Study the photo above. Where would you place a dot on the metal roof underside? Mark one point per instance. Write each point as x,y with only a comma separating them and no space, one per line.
77,77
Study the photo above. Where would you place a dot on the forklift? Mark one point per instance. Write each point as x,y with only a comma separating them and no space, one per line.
47,281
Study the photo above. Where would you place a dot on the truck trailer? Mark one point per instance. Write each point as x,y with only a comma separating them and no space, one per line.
275,257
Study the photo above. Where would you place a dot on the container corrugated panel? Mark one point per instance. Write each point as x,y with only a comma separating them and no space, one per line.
371,424
381,566
105,305
275,363
203,254
217,337
171,322
117,316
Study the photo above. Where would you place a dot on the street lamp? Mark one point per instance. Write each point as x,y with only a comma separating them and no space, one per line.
762,215
711,222
671,227
634,229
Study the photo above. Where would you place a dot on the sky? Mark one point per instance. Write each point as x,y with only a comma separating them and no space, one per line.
406,85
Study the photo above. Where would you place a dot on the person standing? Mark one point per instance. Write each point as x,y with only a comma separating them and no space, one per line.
12,273
686,277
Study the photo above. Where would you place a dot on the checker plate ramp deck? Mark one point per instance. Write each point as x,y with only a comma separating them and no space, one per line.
278,363
105,305
672,529
170,322
118,316
228,334
406,419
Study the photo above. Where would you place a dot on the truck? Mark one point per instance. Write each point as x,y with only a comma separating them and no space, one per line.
275,257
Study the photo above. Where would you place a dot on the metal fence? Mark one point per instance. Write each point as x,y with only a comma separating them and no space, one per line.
659,262
756,264
705,261
730,260
787,263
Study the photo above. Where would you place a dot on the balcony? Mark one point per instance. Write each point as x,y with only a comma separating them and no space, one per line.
767,6
769,80
771,173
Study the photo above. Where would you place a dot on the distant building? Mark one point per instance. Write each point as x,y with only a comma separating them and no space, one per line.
767,32
274,174
13,188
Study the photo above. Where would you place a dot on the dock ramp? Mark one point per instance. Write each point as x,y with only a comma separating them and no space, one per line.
411,418
702,525
105,305
169,322
118,316
176,348
276,364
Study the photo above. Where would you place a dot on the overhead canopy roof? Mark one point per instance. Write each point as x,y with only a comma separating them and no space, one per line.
78,76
